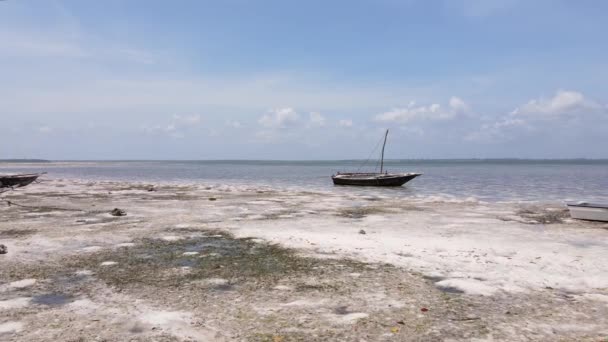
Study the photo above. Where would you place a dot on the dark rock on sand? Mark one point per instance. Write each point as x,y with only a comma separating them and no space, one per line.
362,232
118,212
3,249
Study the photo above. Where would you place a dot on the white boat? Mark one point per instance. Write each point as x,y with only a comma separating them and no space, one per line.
588,211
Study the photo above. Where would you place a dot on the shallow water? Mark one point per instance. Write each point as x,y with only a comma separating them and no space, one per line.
487,180
52,299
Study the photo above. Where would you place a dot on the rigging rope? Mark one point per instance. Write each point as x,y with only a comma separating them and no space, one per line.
370,155
10,203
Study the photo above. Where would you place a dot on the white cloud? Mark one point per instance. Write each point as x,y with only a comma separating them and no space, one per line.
432,112
563,103
561,109
316,119
345,123
279,118
458,105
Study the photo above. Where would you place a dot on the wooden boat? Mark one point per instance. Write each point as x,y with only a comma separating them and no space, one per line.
588,211
16,181
383,178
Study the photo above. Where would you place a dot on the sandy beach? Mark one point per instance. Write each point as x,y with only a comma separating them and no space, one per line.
197,262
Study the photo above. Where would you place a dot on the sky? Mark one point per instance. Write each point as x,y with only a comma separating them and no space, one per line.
301,80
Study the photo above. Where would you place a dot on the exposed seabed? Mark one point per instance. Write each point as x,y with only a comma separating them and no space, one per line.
212,263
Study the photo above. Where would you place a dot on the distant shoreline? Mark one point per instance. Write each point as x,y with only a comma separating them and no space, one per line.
25,161
394,160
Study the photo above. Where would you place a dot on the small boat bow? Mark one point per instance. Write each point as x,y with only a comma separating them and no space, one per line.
16,181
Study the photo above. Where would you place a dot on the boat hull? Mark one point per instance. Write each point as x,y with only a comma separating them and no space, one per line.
589,211
16,181
373,180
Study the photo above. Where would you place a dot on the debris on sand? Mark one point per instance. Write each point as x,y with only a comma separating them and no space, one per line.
540,215
118,212
212,199
3,249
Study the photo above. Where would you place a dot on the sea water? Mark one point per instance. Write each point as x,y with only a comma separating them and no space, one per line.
484,180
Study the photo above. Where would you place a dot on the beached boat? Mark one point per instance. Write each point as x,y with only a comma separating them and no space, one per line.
16,181
383,178
588,211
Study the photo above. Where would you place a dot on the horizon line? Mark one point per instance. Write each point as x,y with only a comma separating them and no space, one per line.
25,160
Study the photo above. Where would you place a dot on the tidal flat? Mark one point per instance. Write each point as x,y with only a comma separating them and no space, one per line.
197,262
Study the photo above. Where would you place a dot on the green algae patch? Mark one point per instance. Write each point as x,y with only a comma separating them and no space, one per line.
161,263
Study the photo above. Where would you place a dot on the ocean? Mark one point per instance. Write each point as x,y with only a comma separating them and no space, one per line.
484,180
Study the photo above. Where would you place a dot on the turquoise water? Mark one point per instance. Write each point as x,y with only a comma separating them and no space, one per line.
488,180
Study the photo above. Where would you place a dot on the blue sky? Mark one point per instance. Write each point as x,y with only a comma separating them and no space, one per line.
303,80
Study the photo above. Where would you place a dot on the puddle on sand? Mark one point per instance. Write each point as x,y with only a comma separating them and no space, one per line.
342,310
450,289
224,287
52,299
434,279
187,263
216,244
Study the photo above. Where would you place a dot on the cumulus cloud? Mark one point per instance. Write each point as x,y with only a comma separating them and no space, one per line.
563,103
345,123
279,118
316,119
458,105
564,106
431,112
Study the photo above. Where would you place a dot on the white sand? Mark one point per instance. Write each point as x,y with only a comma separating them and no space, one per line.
467,244
486,251
10,327
15,303
19,284
108,263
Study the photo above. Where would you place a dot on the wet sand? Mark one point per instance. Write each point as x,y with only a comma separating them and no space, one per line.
222,263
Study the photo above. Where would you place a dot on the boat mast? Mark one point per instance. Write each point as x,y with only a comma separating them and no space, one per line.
382,160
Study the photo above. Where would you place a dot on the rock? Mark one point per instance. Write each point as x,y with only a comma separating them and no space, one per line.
362,232
212,198
151,188
118,212
3,249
